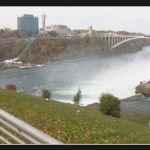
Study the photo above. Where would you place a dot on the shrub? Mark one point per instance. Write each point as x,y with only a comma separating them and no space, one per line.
11,87
77,97
46,93
110,105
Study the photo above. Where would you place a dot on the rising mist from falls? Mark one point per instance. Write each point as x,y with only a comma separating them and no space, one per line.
119,76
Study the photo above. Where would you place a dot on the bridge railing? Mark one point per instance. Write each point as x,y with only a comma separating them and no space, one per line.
14,129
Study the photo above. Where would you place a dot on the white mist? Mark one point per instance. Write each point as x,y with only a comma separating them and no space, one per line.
120,77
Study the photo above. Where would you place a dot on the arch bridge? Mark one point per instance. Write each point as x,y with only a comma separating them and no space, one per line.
117,40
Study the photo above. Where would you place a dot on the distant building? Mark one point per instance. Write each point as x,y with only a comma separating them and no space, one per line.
61,30
88,33
28,23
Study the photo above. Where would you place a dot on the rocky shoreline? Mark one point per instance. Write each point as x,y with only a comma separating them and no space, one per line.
4,66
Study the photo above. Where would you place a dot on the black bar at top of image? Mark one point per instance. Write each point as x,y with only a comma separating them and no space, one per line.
75,3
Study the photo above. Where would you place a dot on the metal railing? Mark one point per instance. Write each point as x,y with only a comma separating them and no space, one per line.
25,131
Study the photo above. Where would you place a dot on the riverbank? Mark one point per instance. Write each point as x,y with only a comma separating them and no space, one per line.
42,51
4,66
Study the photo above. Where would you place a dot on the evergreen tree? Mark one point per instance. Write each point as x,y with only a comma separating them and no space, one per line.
77,97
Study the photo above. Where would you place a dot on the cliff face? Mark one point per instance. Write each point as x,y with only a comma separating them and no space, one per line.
59,49
10,50
43,50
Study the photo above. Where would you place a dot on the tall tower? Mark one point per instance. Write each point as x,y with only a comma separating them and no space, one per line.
43,21
90,30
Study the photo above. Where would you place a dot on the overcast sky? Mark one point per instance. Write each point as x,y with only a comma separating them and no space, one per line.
132,19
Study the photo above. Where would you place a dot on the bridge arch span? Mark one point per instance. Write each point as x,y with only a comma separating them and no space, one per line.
130,39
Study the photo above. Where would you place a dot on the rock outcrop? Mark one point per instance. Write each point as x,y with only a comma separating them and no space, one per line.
143,88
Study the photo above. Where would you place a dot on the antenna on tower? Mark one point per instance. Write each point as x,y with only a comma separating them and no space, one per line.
43,21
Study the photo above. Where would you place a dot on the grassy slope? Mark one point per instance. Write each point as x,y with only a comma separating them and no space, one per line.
137,117
65,122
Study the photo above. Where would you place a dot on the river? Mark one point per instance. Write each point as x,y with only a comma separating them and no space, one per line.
94,75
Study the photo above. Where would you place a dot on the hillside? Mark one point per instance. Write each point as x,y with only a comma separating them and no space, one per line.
127,113
72,124
10,50
43,50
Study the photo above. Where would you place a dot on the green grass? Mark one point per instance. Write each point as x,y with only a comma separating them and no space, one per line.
137,117
72,124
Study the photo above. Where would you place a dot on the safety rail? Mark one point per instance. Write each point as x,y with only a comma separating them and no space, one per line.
25,131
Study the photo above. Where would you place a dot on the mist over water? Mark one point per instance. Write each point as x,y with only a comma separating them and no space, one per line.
118,75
